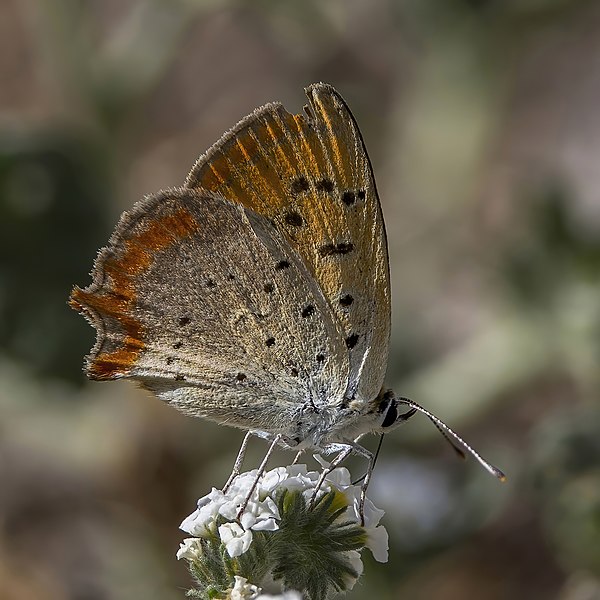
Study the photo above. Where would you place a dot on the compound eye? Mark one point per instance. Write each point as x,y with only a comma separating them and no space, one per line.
391,414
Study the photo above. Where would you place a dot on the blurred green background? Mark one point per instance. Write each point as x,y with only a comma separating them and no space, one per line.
482,118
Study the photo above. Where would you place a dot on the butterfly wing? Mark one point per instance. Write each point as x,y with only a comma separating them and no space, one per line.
203,302
310,175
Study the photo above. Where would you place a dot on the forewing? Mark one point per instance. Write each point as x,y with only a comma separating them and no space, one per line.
203,302
310,175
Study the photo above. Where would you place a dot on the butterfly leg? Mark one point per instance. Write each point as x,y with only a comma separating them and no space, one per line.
297,457
367,478
354,446
343,450
261,470
237,466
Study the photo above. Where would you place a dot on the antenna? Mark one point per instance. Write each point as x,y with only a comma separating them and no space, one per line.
452,437
357,481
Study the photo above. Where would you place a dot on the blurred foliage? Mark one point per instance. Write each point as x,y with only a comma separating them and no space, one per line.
48,180
567,486
481,117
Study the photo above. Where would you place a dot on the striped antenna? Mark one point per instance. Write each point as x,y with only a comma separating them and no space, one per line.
454,439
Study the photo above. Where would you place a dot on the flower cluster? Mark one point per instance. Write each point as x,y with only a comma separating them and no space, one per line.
261,513
284,511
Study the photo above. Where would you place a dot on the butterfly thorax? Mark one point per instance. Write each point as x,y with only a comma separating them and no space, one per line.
316,428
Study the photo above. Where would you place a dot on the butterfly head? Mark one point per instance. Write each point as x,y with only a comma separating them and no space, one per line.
388,409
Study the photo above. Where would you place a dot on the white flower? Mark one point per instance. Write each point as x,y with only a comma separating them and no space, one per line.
378,543
294,477
272,479
198,523
261,512
261,516
377,536
189,549
288,595
242,590
356,563
340,478
236,539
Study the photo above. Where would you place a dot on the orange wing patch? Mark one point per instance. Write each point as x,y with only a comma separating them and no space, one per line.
109,303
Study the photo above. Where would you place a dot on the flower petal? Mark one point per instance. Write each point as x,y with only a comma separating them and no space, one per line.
378,543
266,525
189,549
236,540
242,590
356,563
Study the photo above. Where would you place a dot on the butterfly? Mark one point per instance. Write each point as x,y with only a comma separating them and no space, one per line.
257,294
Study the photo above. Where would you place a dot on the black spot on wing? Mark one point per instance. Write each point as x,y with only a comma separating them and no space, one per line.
294,218
352,340
335,249
348,198
183,321
270,342
325,185
300,185
346,300
282,264
308,310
